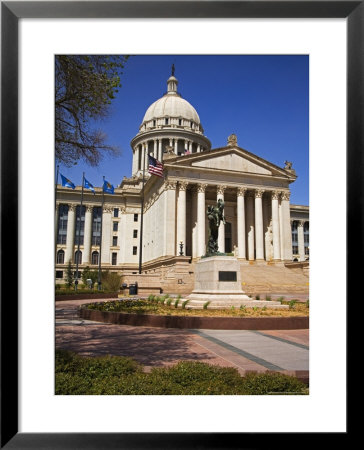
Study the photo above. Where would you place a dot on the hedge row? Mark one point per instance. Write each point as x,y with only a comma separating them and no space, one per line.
113,375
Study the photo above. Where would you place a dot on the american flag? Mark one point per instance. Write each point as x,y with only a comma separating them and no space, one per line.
187,152
155,167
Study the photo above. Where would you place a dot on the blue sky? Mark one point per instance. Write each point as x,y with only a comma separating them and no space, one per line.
264,100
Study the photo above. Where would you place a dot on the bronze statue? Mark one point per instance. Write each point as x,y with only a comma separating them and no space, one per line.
215,215
173,70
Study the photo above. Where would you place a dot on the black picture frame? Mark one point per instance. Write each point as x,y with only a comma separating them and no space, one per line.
11,12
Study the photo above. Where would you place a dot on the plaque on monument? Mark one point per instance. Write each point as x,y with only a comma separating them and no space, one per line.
225,275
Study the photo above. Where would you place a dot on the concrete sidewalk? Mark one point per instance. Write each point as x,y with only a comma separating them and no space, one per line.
285,351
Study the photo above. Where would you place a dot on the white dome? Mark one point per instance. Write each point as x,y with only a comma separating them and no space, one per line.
171,106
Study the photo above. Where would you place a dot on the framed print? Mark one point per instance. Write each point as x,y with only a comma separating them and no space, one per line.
23,296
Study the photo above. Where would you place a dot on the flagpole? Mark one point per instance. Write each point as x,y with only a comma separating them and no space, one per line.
102,212
55,215
141,221
79,232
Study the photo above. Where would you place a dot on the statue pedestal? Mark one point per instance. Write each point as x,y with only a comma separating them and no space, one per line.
218,281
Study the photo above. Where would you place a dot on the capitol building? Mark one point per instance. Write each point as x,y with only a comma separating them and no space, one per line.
263,229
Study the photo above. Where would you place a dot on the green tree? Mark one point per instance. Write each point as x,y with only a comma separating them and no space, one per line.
69,275
89,274
84,88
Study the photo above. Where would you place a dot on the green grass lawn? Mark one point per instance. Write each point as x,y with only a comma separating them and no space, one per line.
115,375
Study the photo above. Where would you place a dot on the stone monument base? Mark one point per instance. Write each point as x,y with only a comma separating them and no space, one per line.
218,281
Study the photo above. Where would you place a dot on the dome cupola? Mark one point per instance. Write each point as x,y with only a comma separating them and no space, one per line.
171,121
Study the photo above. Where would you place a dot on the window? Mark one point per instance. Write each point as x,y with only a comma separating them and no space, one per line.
135,233
179,121
78,257
80,224
114,241
62,224
154,123
115,226
95,258
295,237
114,258
59,273
60,257
134,250
135,217
166,121
96,225
116,212
306,237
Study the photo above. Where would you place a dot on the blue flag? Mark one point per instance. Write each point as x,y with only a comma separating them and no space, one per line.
67,183
109,188
88,185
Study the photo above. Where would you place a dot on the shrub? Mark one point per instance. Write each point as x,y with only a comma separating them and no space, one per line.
176,303
169,301
184,304
116,375
69,275
111,280
242,308
268,298
151,298
206,305
272,383
280,299
292,303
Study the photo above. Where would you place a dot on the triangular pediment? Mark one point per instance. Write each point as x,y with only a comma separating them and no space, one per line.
234,159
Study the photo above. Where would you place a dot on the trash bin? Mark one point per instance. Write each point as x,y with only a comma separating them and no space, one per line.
133,289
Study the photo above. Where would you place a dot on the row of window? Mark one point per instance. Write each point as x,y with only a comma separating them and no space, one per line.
80,225
94,257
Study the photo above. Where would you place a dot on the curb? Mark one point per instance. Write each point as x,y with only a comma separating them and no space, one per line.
210,323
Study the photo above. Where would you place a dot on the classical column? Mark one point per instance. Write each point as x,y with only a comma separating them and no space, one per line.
181,216
194,222
201,217
241,222
250,225
160,151
275,226
155,149
169,217
198,148
135,160
190,146
106,234
259,224
286,227
301,241
176,146
87,235
56,219
70,240
144,147
221,237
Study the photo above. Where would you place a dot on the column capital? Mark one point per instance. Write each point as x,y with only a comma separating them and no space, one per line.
275,195
72,206
201,187
220,189
108,209
169,184
285,195
182,185
301,223
241,191
89,208
258,193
